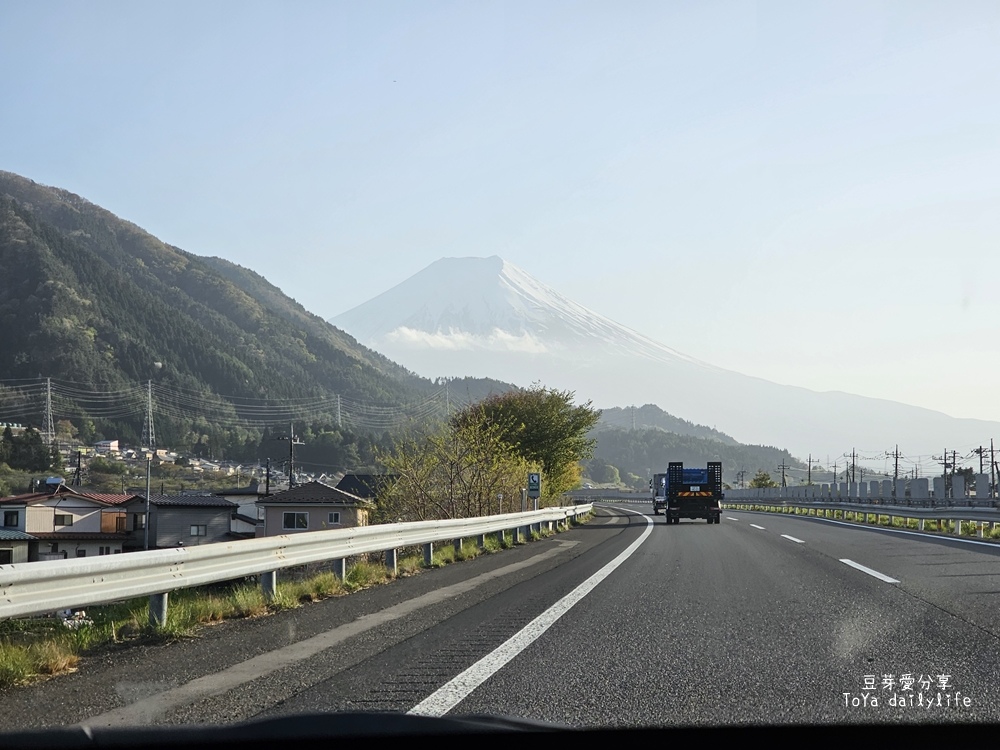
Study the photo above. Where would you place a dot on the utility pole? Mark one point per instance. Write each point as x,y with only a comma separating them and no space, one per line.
980,450
292,442
810,480
944,470
993,464
145,525
783,466
895,472
740,474
339,421
267,480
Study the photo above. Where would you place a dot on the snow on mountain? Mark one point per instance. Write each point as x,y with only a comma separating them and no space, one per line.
486,317
488,304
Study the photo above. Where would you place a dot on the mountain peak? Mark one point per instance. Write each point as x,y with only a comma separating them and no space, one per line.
485,305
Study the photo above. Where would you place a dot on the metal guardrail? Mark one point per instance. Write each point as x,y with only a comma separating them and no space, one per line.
38,588
957,514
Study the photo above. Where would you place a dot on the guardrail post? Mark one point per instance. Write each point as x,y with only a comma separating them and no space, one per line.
158,610
481,541
269,584
500,538
921,526
458,545
391,563
340,568
958,526
429,554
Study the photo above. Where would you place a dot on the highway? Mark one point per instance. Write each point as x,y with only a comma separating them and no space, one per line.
762,619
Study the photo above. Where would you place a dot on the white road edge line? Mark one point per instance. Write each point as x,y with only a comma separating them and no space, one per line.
869,571
758,527
793,539
922,534
453,692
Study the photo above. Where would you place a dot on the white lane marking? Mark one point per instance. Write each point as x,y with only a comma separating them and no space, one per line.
453,692
758,527
869,571
730,518
792,538
146,710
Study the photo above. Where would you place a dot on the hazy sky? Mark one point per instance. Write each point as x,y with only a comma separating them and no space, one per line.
804,191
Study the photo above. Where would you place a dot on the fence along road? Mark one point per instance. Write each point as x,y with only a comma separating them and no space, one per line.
38,588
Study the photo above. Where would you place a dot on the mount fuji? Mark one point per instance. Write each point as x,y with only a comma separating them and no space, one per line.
485,317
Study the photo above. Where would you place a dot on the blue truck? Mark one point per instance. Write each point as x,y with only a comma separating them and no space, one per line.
688,493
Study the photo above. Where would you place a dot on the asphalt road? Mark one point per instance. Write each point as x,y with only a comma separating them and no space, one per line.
762,619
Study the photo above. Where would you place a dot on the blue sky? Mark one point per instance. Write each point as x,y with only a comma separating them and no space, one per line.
807,192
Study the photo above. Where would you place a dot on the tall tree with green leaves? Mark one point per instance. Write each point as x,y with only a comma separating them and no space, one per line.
762,480
545,427
459,471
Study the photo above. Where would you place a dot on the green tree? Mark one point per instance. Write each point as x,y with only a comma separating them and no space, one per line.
605,473
460,471
544,427
761,480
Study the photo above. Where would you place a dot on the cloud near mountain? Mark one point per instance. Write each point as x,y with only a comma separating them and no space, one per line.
486,317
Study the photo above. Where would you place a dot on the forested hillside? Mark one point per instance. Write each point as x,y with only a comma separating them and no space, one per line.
89,299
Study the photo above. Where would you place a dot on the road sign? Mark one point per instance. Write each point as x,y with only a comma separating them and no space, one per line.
534,485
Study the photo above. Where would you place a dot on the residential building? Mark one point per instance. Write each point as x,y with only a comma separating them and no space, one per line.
178,521
366,486
15,546
313,506
61,522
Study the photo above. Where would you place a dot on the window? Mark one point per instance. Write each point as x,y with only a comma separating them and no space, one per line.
6,556
81,553
138,522
54,547
64,519
334,518
199,530
121,524
295,521
11,517
104,550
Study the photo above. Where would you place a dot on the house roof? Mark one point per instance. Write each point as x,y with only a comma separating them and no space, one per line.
189,501
253,489
63,491
313,493
11,535
79,536
364,485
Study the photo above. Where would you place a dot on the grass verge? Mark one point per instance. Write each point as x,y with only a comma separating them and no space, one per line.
38,647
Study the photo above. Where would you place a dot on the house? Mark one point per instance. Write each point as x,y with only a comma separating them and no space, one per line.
178,521
15,546
313,506
366,486
60,522
104,447
247,515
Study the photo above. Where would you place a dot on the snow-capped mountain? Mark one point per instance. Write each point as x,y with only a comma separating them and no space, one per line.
485,305
486,317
